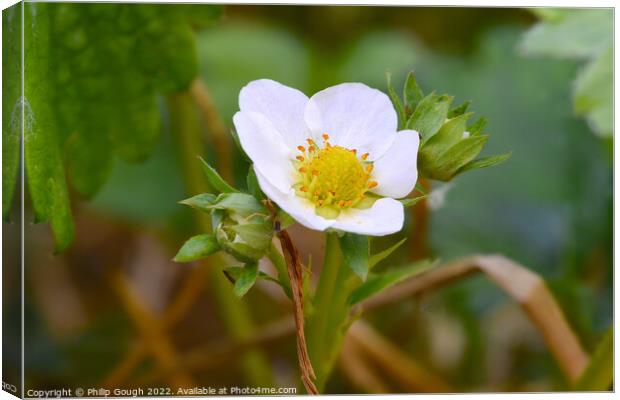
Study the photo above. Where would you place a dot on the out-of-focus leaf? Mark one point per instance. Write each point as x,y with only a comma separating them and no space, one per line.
570,33
46,175
581,34
599,373
378,282
11,102
355,249
594,93
246,279
91,91
197,247
382,255
234,273
215,180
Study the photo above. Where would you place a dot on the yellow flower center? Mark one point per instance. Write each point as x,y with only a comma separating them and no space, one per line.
332,177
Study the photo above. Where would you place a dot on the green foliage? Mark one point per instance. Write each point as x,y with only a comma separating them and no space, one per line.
447,147
356,251
382,255
582,34
381,281
93,74
599,373
244,277
215,180
197,247
11,106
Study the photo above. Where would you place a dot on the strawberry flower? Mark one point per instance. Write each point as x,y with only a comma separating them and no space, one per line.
333,161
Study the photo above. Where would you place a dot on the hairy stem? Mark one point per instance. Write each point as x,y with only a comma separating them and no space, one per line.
184,123
331,312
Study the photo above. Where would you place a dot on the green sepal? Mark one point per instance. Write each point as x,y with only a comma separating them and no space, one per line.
252,183
245,278
241,204
256,234
429,115
460,110
382,255
241,251
379,282
215,180
356,251
398,105
477,127
202,202
485,162
412,201
412,93
197,247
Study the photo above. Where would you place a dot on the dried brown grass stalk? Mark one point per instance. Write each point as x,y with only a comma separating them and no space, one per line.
523,285
359,370
176,310
295,274
216,127
159,345
385,355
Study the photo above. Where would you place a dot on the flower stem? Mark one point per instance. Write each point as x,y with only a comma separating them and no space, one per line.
330,314
184,123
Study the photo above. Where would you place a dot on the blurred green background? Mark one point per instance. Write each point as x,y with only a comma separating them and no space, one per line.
549,207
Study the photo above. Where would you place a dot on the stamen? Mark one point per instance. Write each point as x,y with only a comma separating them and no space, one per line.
300,158
365,156
369,168
301,148
354,151
302,170
311,149
310,142
325,136
372,184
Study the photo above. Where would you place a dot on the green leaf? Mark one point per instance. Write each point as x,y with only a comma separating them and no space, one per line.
215,180
594,93
570,33
197,247
253,186
412,201
94,76
378,282
202,202
485,162
382,255
412,93
11,103
43,159
355,249
599,373
398,105
246,279
429,115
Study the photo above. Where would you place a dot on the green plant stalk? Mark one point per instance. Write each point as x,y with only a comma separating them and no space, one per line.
184,123
329,319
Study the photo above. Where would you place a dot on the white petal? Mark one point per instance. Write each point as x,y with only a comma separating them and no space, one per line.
265,147
386,216
354,116
300,209
282,105
396,171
